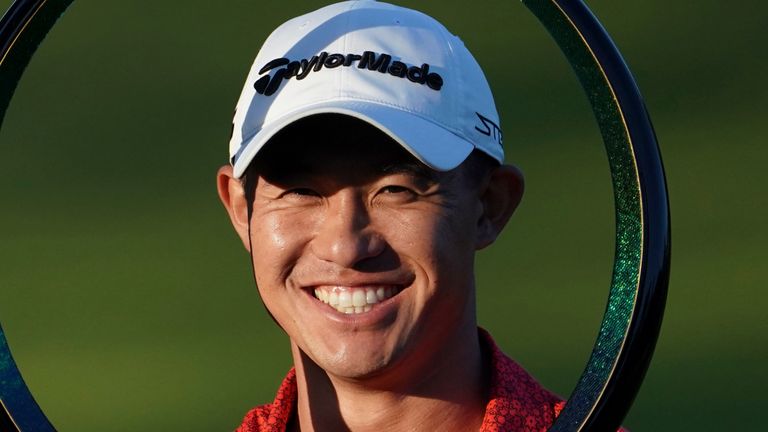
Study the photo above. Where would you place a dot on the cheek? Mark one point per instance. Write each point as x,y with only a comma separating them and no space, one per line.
454,252
455,249
440,242
277,243
271,235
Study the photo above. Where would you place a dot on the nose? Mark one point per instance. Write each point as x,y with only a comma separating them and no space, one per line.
345,235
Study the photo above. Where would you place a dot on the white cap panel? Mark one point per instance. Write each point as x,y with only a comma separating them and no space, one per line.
402,69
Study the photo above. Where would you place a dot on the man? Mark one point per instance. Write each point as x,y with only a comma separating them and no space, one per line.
366,170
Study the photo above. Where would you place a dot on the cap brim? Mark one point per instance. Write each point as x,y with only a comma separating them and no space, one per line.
432,144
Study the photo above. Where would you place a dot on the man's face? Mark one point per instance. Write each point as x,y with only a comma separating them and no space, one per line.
363,255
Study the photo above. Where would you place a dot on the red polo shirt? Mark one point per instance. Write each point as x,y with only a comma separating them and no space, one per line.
517,402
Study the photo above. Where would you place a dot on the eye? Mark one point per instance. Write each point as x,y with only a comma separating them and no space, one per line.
300,193
395,195
394,189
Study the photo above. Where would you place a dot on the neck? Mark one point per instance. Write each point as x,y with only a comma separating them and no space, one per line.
446,391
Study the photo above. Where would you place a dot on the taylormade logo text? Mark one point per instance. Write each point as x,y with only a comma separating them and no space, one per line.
368,61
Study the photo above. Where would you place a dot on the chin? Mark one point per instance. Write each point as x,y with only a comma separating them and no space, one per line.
355,362
356,371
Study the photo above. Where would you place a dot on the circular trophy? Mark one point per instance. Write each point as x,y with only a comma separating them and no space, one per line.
632,319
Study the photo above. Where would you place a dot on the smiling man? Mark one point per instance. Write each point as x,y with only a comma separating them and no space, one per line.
366,171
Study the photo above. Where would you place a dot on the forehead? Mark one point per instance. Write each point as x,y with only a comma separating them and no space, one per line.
334,144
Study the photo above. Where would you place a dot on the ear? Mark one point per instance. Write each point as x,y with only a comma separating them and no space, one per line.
232,195
500,197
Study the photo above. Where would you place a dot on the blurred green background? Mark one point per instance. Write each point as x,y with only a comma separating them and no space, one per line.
128,300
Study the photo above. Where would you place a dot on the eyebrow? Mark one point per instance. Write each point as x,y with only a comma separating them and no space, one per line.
415,169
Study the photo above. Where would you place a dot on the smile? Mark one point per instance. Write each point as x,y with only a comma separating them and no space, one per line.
355,300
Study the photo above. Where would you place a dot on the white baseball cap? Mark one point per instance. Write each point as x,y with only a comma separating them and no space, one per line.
395,68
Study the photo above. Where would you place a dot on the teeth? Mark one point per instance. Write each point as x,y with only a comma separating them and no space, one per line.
358,299
370,297
354,300
345,299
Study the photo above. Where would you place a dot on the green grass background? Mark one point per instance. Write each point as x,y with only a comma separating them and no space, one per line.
127,298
